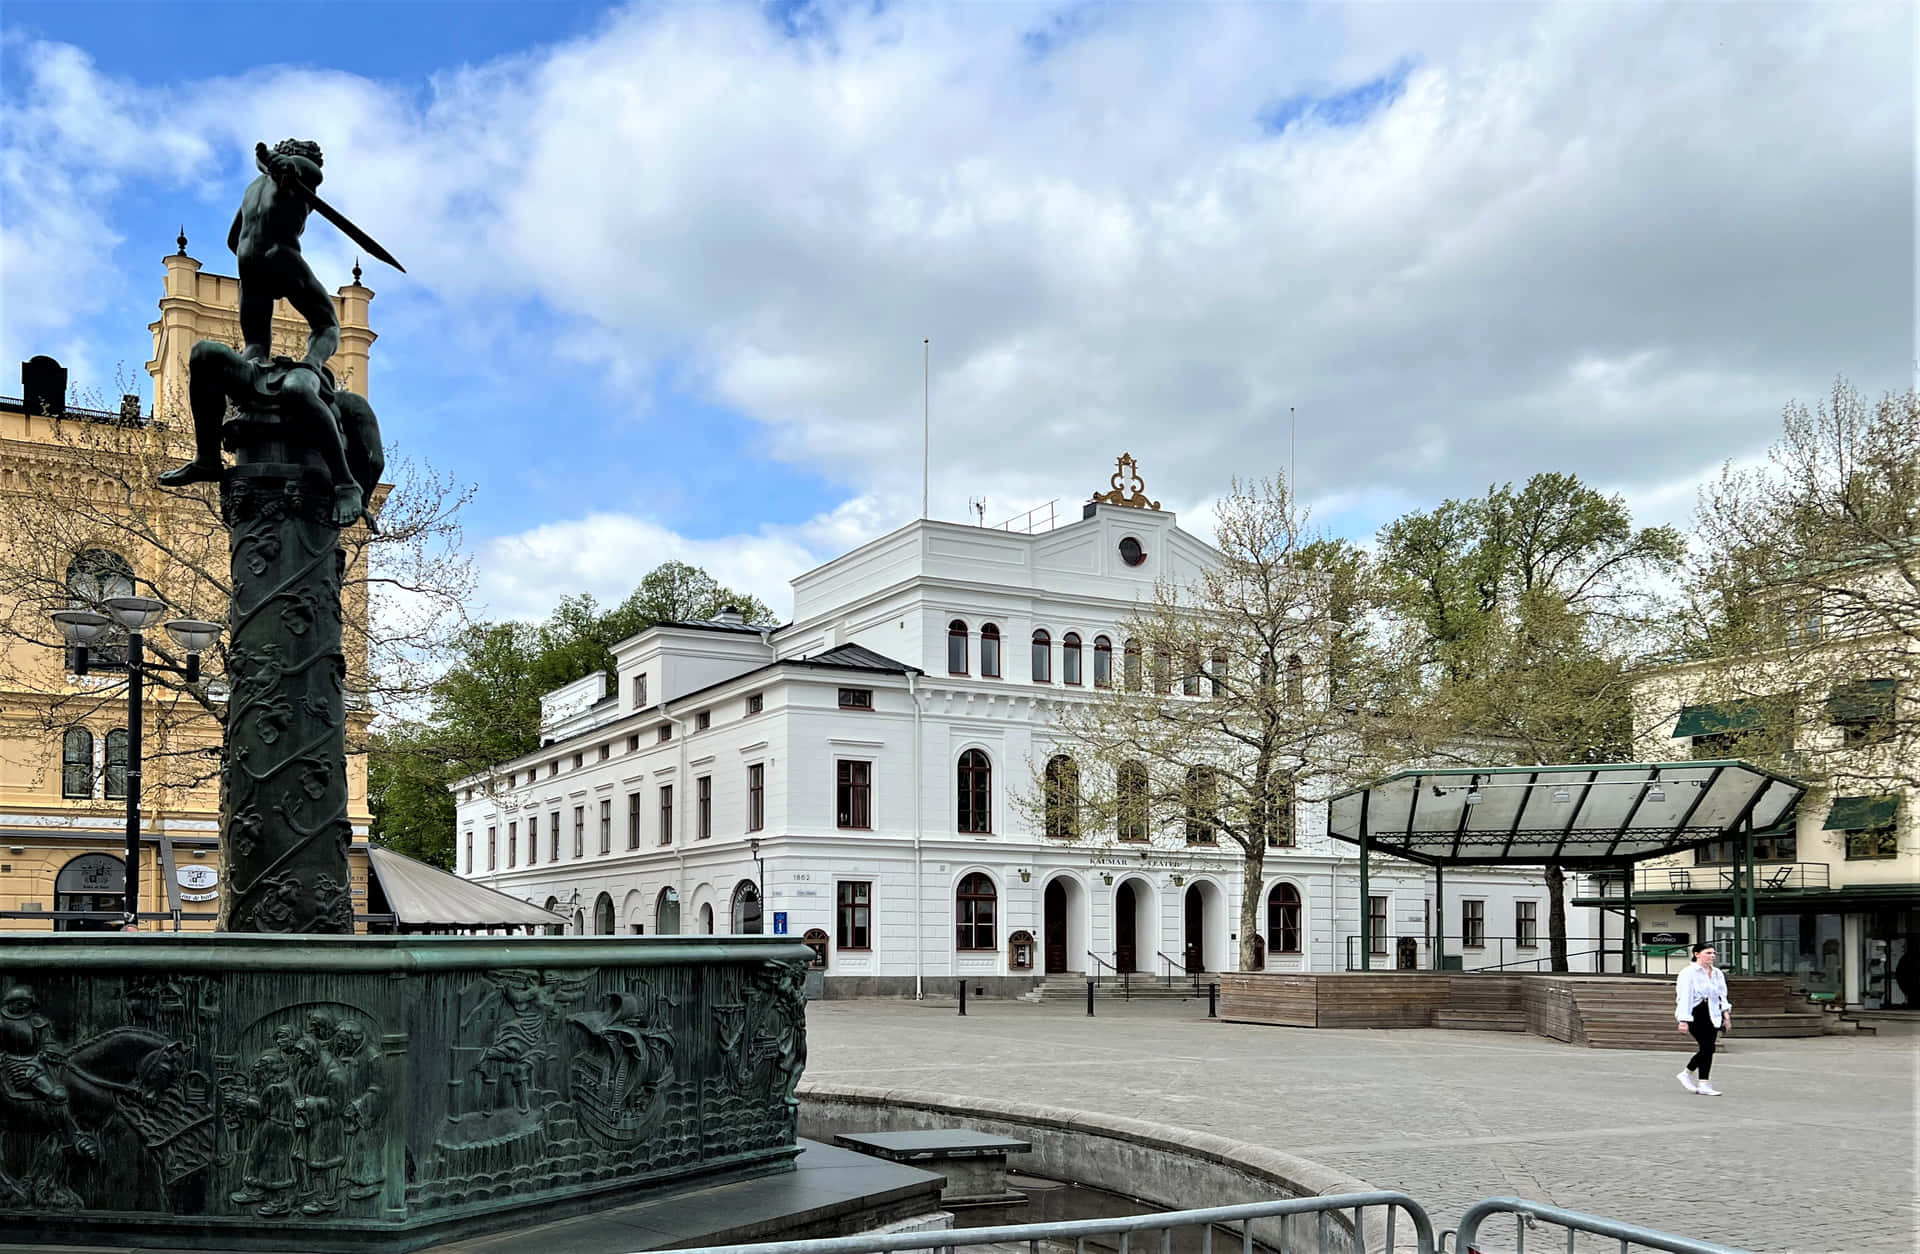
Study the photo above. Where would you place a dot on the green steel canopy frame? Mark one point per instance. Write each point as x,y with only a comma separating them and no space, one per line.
1604,816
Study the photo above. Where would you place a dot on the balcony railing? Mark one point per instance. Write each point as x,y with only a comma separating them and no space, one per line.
1767,877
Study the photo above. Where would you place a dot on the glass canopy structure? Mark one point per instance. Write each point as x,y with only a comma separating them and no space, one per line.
1594,817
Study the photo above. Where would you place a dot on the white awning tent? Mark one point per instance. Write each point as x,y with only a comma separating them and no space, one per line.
423,898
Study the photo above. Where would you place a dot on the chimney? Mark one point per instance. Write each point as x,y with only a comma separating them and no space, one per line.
731,616
43,386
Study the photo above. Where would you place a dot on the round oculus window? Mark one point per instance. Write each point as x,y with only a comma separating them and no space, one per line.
1131,553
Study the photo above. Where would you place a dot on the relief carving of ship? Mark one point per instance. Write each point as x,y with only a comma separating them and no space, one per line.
616,1081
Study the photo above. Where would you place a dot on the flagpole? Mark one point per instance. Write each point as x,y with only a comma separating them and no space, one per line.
926,418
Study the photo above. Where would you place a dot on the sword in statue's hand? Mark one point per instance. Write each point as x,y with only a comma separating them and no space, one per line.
264,160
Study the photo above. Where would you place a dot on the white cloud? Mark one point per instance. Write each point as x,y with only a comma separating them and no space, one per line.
1606,239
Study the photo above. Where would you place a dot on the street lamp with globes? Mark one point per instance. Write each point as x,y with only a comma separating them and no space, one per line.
137,615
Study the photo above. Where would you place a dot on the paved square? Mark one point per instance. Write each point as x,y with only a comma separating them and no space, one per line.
1812,1149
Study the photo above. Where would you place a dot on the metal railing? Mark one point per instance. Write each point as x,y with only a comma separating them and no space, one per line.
1767,877
1525,1214
1171,966
1298,1225
1125,978
1585,954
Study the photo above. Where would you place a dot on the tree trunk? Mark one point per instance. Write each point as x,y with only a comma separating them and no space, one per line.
1252,885
1557,915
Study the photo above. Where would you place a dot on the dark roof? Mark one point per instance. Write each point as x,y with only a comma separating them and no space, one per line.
855,657
714,624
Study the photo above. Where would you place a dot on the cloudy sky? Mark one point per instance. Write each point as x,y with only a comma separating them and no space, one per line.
670,267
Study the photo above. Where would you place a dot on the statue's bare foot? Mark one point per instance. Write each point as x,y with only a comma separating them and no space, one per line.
347,505
199,470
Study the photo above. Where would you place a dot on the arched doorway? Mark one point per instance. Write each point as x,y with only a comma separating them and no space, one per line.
91,881
746,909
555,929
603,915
1064,925
706,918
1054,925
666,912
579,923
1136,930
1195,947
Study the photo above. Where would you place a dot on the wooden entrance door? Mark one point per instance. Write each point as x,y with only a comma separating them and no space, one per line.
1196,916
1055,927
1123,927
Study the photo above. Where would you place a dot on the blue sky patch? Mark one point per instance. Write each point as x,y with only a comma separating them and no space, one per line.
1350,106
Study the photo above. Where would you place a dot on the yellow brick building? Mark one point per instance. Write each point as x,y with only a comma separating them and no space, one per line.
80,519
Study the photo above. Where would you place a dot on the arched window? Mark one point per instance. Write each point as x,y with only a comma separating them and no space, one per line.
1283,920
747,916
76,763
96,574
94,882
116,765
1070,659
93,576
603,915
1296,680
1132,665
973,905
706,918
554,929
1042,658
1063,797
956,648
1217,676
1202,806
976,792
989,651
1190,673
1131,796
1102,662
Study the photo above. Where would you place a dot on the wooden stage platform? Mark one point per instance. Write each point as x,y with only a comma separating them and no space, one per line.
1602,1011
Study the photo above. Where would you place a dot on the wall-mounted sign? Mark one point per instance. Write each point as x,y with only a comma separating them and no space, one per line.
779,922
198,883
1665,938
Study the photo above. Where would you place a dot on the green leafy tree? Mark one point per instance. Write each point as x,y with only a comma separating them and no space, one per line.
485,708
1803,598
1529,603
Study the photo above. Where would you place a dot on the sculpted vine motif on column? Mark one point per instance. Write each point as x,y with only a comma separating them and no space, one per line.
285,783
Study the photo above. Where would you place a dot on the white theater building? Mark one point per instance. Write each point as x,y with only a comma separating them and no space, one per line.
846,779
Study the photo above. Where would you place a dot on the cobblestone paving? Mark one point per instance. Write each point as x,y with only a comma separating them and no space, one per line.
1812,1149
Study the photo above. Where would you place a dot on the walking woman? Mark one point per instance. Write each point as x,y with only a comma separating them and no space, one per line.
1701,1006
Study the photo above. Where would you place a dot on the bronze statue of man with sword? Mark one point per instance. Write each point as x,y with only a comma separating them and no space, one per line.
265,239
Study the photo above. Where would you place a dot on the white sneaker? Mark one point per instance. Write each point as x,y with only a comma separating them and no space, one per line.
1706,1090
1686,1082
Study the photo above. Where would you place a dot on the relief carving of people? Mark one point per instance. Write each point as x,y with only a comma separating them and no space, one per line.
365,1103
266,1105
531,1002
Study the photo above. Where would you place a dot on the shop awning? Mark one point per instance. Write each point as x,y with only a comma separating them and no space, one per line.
1863,701
1601,815
1718,720
422,896
1859,814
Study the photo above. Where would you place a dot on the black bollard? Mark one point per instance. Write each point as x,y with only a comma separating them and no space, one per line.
1089,999
1213,1001
963,997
